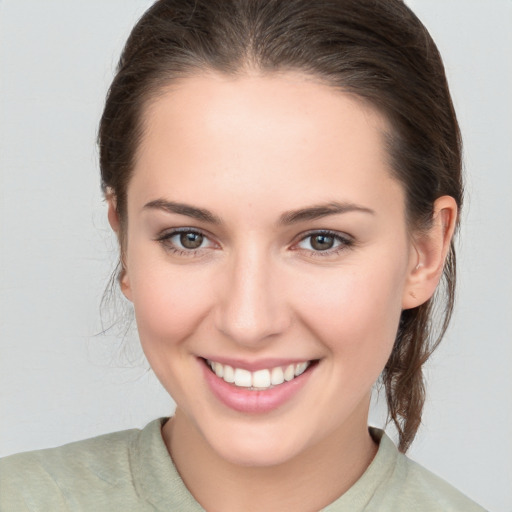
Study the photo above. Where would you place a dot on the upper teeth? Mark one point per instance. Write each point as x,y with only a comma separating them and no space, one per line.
260,379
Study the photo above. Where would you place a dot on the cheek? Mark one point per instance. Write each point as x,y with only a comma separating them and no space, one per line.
169,303
357,314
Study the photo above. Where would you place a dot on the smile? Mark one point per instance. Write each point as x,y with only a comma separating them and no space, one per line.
260,379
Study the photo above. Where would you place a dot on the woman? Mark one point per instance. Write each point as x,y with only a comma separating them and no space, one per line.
284,180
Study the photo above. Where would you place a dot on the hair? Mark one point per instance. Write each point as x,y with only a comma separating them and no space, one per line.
378,51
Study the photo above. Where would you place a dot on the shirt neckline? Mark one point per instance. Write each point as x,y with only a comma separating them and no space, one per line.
157,481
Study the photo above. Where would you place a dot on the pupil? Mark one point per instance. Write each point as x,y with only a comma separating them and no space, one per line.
322,242
191,240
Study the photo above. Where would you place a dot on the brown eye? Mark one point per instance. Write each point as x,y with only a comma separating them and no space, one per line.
322,242
186,242
325,243
191,240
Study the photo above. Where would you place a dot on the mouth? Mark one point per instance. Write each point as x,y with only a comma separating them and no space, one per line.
257,387
259,380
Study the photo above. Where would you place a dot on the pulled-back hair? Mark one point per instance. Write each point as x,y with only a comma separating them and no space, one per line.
377,50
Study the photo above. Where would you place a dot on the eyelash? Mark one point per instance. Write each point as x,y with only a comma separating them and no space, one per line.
345,242
165,240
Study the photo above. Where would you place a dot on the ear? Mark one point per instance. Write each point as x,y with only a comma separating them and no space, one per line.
115,224
428,254
113,216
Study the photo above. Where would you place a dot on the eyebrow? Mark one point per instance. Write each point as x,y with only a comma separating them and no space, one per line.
321,210
183,209
287,218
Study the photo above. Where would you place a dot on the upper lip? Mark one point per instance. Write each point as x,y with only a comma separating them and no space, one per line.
260,364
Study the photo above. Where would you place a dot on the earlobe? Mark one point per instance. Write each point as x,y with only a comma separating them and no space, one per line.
124,283
428,254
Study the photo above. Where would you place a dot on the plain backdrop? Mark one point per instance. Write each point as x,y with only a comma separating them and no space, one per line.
61,380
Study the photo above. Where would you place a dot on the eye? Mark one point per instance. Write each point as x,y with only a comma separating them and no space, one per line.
324,243
185,241
190,240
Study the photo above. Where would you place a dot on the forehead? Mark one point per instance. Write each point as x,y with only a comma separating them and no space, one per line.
283,135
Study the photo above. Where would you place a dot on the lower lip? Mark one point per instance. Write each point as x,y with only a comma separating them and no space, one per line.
254,401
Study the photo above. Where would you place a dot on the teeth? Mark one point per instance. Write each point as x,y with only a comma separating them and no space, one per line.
277,376
229,374
243,378
289,373
260,379
218,369
300,369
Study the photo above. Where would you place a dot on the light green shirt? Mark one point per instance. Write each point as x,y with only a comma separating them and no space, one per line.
132,471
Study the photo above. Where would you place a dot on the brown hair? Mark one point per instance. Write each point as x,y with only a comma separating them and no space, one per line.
375,49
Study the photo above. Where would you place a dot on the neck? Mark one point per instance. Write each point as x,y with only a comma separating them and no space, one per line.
309,481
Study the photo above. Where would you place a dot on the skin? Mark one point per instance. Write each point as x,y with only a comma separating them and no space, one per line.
249,150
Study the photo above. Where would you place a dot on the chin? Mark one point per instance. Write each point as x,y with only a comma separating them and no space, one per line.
256,447
254,455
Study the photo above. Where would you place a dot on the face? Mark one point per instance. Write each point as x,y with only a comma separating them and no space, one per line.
266,245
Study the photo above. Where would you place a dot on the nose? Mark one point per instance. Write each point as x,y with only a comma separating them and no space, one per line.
252,307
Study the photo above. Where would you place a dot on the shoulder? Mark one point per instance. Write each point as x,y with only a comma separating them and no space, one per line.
85,472
410,486
421,486
102,452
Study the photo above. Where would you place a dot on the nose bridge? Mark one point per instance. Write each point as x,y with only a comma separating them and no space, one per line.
251,308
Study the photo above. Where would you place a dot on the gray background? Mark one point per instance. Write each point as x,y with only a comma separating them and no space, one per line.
60,381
